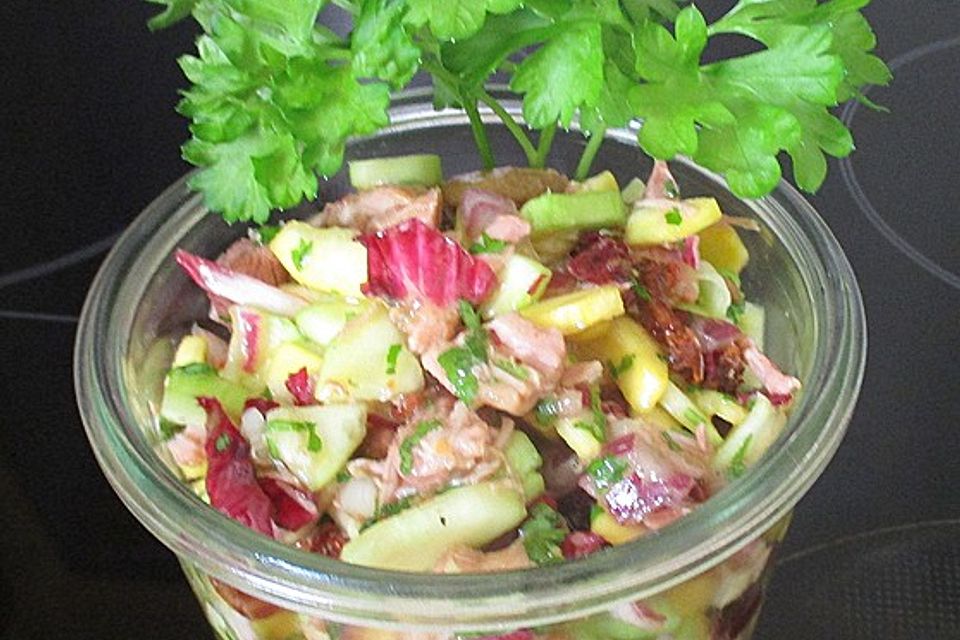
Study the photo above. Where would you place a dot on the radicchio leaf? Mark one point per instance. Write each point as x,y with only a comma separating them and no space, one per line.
231,481
412,259
295,507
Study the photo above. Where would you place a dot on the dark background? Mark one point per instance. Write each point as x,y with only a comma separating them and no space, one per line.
89,137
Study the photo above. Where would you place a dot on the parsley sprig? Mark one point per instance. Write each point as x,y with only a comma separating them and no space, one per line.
275,95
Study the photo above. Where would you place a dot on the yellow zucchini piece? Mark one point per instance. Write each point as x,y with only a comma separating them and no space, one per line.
191,350
656,225
606,526
603,181
721,246
328,259
583,443
285,360
641,375
574,312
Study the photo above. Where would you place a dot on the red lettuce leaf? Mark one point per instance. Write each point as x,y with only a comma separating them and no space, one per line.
412,259
295,507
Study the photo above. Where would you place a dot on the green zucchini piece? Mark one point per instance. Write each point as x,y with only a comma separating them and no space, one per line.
687,413
750,439
583,210
671,221
522,281
525,462
420,169
416,538
182,387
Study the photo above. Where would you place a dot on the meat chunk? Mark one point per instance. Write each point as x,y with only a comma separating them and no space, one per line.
517,183
485,212
425,324
254,260
542,349
463,559
381,207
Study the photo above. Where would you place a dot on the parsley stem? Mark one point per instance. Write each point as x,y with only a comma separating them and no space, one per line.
589,153
544,144
479,133
512,126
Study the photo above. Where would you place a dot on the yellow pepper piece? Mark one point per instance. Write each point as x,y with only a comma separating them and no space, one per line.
606,526
603,181
721,246
579,439
640,373
655,225
574,312
191,350
288,359
594,332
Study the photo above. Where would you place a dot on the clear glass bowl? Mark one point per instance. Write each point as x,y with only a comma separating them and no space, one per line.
701,577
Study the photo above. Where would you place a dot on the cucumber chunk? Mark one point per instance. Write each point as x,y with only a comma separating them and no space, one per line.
750,439
182,387
681,407
522,281
714,298
574,312
315,442
415,539
582,210
419,169
525,462
322,321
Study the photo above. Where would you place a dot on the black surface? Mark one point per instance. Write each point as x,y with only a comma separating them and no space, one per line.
90,137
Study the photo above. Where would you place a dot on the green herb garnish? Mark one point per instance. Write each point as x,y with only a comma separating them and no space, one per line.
694,417
169,429
616,370
274,95
392,354
195,369
298,254
546,410
314,442
516,370
671,443
486,244
606,471
406,447
222,442
387,510
737,465
458,364
639,290
673,217
343,476
476,339
735,311
267,232
542,535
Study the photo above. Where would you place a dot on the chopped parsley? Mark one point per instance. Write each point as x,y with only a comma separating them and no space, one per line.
737,465
486,244
591,427
542,534
639,290
392,354
314,442
298,254
671,443
595,510
387,510
458,364
406,447
606,471
598,421
673,217
195,369
735,311
222,442
476,339
616,370
169,429
516,370
343,476
693,416
729,275
547,410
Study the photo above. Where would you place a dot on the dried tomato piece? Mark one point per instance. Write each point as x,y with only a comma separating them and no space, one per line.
684,354
327,540
601,259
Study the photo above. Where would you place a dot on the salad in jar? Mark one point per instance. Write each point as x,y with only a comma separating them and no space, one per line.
498,371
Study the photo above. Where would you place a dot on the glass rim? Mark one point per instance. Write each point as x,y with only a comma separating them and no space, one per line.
530,597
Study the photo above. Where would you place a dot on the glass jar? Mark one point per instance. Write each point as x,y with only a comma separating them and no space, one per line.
701,577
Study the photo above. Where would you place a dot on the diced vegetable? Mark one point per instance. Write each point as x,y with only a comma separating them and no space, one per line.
419,169
606,526
681,407
581,440
714,298
315,442
633,191
669,223
574,312
255,334
722,247
191,350
641,375
416,538
750,439
525,462
603,181
554,247
583,210
184,385
363,363
522,282
286,360
752,322
322,321
328,259
719,404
